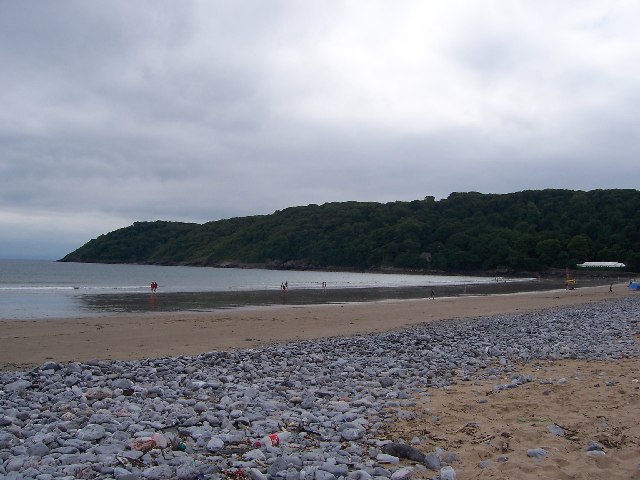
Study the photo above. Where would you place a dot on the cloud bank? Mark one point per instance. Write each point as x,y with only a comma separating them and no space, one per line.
200,110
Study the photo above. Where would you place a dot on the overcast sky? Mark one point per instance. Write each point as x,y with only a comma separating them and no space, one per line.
119,111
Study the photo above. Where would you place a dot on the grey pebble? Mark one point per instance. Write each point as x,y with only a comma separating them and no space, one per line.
386,458
447,473
332,396
556,430
404,451
256,474
596,453
92,432
594,446
324,475
215,444
279,465
38,450
160,472
432,461
120,473
537,453
403,473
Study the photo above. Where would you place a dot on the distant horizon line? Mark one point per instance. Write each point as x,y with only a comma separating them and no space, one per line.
30,258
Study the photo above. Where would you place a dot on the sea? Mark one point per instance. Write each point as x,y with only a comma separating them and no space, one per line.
41,289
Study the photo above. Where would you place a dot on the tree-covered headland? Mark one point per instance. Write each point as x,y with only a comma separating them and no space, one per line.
530,231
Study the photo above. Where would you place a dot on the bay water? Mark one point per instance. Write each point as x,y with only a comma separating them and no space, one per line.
35,289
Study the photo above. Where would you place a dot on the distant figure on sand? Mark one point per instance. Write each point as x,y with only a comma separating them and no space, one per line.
611,288
154,286
433,294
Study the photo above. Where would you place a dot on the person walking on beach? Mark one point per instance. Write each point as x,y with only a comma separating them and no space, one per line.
154,287
433,294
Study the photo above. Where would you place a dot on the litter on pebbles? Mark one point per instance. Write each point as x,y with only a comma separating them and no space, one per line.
300,410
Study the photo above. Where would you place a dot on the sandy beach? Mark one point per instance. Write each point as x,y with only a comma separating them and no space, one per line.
490,431
26,343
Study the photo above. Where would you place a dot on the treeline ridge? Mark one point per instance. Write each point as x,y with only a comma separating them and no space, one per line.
533,230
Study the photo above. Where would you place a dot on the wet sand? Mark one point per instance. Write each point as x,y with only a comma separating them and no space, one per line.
207,301
26,343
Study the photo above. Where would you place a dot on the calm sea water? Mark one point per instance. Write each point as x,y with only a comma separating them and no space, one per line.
31,289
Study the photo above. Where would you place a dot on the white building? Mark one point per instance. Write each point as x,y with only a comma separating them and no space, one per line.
601,265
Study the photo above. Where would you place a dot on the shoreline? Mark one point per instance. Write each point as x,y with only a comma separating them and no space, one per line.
87,304
135,336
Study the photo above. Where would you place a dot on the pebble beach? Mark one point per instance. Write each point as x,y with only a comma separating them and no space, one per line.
533,391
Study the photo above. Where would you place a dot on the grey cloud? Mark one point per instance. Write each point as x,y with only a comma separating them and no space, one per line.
196,111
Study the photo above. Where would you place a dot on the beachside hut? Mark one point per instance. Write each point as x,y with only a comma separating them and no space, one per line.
601,265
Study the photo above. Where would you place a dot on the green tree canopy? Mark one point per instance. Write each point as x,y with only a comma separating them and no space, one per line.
531,230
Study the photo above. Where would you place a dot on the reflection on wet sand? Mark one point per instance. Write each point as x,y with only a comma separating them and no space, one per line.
207,301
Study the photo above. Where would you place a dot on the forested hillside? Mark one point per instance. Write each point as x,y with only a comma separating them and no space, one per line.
524,231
